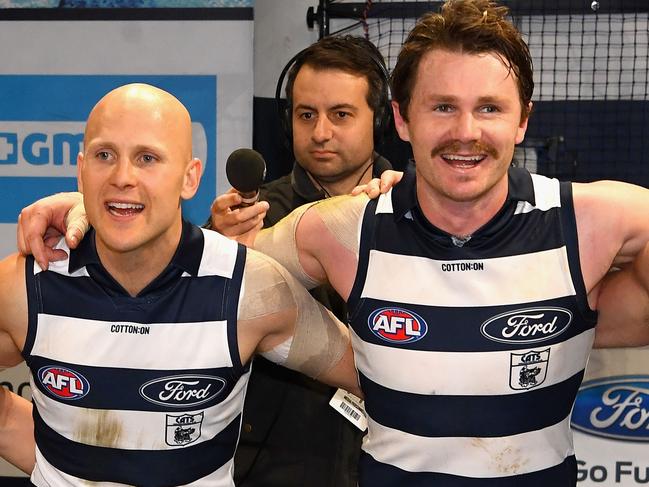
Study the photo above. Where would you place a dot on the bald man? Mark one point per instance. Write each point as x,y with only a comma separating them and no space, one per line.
139,343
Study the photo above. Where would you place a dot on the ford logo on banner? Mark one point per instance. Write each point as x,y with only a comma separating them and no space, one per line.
614,407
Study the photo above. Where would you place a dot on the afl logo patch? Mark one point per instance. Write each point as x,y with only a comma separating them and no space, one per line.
397,325
63,383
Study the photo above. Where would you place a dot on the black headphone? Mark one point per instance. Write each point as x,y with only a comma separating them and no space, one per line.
382,114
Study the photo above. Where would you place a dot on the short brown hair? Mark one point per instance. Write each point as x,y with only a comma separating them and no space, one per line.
351,54
470,26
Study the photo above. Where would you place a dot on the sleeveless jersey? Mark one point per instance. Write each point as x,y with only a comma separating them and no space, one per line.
144,390
470,352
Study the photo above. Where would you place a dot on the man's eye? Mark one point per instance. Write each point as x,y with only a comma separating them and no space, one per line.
306,116
444,108
103,155
148,158
489,109
342,114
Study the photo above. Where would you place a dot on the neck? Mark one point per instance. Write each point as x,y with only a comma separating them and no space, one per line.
460,218
136,269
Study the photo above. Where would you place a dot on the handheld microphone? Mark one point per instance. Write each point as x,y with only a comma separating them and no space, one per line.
245,170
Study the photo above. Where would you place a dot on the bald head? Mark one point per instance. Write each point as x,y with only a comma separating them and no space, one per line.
135,169
147,103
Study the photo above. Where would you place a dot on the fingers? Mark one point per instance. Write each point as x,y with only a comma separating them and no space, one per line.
20,238
225,201
48,255
376,187
235,222
33,224
41,224
371,189
241,220
389,178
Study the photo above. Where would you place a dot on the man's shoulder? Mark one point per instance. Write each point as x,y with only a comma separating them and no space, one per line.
12,268
13,295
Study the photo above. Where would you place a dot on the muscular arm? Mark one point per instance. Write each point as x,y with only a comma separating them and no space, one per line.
624,305
613,230
612,224
318,242
279,319
16,426
17,444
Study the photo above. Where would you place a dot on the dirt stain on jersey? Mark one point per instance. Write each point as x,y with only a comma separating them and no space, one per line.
98,428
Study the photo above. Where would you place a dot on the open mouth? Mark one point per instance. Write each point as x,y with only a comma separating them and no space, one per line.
463,162
123,209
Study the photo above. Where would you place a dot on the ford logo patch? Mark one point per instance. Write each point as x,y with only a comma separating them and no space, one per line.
182,390
528,325
615,407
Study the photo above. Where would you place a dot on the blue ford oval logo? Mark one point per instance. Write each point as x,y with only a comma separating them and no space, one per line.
528,325
182,390
615,407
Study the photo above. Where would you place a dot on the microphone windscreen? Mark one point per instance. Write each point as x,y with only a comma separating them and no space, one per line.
245,169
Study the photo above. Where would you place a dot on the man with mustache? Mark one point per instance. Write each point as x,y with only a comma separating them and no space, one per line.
439,271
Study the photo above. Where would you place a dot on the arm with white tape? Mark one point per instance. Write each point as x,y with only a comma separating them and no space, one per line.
318,242
280,320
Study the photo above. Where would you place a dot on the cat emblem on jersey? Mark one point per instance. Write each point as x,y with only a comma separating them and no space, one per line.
183,429
528,370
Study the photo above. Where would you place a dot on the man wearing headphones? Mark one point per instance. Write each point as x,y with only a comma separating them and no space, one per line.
337,93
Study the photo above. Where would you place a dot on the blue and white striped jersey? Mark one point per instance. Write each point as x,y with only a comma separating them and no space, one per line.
144,390
470,356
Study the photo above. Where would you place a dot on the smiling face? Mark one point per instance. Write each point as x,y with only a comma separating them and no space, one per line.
332,124
463,121
135,168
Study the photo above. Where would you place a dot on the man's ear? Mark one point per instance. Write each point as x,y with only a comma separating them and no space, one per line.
79,169
192,178
522,126
400,123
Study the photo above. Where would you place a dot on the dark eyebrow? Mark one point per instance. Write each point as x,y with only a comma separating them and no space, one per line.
338,106
492,99
442,98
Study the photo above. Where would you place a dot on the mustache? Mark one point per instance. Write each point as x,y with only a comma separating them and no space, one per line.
454,147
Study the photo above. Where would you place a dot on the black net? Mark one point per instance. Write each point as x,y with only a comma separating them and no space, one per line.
591,99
